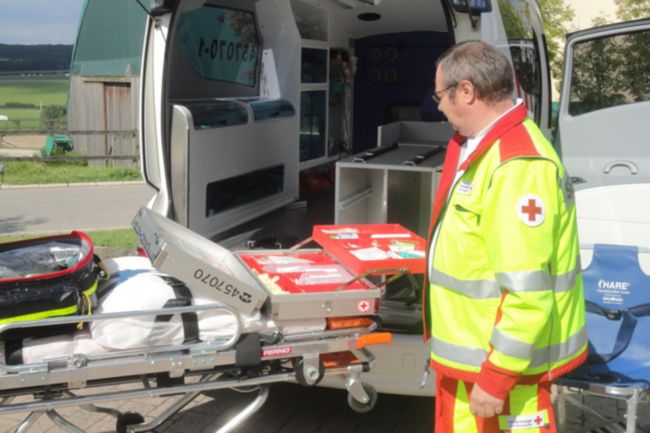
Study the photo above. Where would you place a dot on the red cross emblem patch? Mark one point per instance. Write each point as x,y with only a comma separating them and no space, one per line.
363,306
530,209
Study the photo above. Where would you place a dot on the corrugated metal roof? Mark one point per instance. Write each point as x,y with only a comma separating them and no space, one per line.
109,39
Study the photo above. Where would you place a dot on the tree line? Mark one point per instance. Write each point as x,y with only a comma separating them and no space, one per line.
18,58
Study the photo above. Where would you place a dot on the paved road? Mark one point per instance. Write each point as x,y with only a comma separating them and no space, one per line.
49,209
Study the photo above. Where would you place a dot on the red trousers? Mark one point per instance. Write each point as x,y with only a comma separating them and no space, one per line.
527,409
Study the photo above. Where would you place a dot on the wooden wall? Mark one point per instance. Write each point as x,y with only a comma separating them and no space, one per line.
103,116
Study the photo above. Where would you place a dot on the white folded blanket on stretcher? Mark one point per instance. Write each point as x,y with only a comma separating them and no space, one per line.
140,287
42,349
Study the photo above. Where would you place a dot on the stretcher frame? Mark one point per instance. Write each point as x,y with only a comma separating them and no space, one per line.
161,371
573,392
291,358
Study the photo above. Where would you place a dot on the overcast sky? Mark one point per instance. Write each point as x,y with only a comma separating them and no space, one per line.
39,21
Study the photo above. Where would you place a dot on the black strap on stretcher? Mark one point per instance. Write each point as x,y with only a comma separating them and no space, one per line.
248,350
183,299
628,317
420,158
376,151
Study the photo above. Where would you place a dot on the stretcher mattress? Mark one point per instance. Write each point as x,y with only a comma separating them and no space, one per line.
134,285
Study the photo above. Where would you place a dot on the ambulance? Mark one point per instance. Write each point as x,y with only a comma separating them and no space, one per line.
241,99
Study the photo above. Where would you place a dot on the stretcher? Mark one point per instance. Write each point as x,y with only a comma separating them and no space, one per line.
617,299
286,322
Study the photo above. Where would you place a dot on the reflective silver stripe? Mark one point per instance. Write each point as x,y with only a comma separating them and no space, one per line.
460,354
533,281
525,281
475,289
511,346
520,281
545,356
539,357
557,352
565,282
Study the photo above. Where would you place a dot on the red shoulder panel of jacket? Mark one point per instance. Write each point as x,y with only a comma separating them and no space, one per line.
516,143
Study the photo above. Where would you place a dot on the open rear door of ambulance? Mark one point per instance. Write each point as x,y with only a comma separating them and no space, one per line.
603,129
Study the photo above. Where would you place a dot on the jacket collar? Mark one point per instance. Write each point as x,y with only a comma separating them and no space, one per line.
503,125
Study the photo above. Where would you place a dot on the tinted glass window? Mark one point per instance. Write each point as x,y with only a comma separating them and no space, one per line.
221,44
243,189
524,51
610,71
314,65
313,115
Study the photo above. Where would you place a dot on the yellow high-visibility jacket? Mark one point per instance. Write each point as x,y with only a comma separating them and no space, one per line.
505,302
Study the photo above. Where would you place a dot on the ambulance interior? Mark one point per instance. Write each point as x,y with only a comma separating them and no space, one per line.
315,79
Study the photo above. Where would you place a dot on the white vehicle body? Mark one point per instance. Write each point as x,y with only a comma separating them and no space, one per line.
224,143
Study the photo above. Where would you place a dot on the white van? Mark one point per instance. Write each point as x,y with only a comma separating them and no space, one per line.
238,97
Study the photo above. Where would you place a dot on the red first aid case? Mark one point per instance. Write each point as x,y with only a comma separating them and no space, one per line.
375,248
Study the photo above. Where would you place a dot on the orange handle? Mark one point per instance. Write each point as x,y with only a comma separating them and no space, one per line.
374,338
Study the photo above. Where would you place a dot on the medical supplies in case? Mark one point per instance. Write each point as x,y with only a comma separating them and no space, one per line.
376,248
287,284
47,277
310,283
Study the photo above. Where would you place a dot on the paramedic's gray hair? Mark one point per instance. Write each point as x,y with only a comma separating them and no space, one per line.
481,64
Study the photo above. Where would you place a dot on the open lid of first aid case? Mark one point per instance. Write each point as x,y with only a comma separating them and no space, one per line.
375,248
291,284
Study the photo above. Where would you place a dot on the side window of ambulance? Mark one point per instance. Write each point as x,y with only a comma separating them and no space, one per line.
221,44
524,51
609,72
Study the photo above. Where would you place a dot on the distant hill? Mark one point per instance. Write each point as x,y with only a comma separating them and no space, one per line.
14,58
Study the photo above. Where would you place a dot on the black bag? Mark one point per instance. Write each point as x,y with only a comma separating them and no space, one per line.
47,277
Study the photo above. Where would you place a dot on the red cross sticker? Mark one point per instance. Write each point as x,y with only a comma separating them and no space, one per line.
363,306
530,209
539,420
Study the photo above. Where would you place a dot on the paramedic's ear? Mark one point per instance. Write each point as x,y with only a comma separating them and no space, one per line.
466,91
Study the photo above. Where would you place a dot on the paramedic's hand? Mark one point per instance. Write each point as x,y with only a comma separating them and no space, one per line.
484,405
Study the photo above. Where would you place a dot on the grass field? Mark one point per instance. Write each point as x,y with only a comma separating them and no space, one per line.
32,91
40,91
120,238
32,172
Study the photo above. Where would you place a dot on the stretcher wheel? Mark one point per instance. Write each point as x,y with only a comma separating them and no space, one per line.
359,407
126,419
312,376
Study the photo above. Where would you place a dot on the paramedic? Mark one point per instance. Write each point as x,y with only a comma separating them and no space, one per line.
504,309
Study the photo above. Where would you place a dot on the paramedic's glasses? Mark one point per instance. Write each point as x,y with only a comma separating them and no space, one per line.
438,94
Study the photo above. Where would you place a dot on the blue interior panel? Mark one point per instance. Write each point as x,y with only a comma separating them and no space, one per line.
394,69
